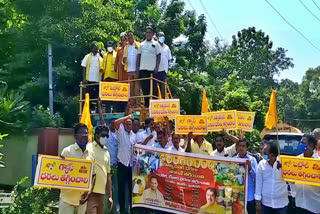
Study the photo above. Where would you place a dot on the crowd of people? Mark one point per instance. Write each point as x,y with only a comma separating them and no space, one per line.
111,151
128,61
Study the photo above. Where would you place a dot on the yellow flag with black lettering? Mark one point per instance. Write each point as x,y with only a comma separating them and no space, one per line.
85,117
271,117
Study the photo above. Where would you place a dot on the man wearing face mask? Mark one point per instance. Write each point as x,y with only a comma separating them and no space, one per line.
74,201
307,196
99,153
92,67
109,58
164,65
271,191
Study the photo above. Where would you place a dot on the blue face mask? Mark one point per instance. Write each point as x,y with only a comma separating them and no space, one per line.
302,148
161,39
82,145
266,157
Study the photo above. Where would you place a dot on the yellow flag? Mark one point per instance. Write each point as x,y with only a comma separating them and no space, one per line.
205,103
85,117
167,96
271,117
159,93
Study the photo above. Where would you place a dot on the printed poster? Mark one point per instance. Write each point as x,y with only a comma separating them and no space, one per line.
301,170
70,173
178,182
166,107
219,120
245,120
191,123
112,91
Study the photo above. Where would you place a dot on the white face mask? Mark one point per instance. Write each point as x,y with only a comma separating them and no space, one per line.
103,140
110,49
161,39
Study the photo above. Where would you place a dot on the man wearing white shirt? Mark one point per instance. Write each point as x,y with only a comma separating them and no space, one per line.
271,191
130,62
307,196
149,135
166,57
176,143
221,149
92,66
125,136
161,142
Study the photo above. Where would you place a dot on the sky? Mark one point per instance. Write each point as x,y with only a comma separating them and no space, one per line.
230,16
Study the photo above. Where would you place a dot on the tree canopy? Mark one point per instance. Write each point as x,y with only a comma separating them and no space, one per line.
239,75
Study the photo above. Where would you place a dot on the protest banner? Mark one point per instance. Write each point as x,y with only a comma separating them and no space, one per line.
301,170
68,173
112,91
191,123
179,182
245,120
162,108
219,120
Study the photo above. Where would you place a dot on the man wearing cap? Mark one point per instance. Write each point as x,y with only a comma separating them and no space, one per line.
148,61
119,65
109,58
130,61
92,66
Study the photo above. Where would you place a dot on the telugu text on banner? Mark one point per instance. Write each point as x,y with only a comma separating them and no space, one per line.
245,120
222,120
188,183
197,124
162,108
69,173
112,91
301,170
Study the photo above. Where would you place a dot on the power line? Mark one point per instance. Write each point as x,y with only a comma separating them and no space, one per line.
301,34
309,10
212,22
316,4
207,31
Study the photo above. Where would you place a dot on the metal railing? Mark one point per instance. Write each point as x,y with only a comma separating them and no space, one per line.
150,95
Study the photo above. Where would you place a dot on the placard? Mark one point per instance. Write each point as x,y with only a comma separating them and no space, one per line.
301,170
191,123
177,182
219,120
68,173
166,107
112,91
245,120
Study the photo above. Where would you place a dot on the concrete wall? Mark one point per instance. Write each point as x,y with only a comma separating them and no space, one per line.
18,151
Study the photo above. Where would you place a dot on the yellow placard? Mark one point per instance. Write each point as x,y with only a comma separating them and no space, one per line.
191,123
220,120
162,108
301,170
69,173
112,91
245,120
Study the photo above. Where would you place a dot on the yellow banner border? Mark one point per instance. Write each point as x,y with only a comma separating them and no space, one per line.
183,133
224,111
37,185
114,83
